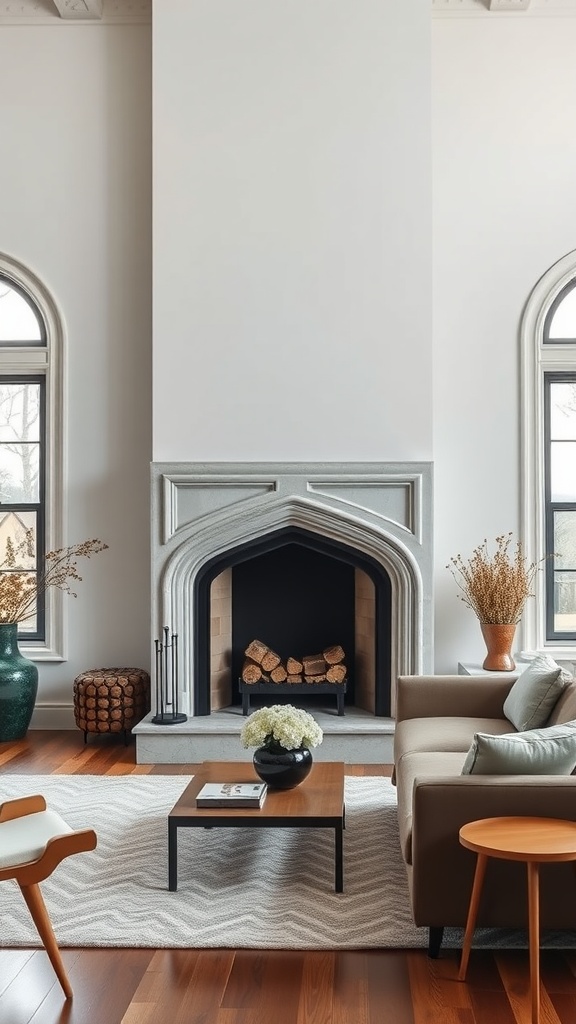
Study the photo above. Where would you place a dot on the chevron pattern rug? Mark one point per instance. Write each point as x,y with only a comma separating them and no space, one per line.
237,888
252,888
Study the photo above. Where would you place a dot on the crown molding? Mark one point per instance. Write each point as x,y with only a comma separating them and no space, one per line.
75,12
109,12
497,9
79,10
508,5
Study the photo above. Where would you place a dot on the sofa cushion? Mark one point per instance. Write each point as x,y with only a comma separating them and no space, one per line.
564,709
414,765
534,694
550,751
442,734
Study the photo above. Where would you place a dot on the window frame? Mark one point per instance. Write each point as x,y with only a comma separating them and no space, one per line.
43,360
559,299
539,357
550,507
39,635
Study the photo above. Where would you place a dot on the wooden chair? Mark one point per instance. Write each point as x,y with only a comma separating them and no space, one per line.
33,841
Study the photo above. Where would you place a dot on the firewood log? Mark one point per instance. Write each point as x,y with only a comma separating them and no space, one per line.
270,660
321,678
278,674
294,677
294,667
256,651
314,665
251,672
333,655
336,673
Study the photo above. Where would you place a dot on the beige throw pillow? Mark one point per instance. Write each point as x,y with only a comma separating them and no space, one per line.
550,751
531,700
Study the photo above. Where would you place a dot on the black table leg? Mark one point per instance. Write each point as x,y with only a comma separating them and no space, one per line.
339,864
172,855
245,702
340,703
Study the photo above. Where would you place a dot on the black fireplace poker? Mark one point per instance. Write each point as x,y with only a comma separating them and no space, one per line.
166,671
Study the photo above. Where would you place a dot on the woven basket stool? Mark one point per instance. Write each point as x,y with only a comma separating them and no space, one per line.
111,699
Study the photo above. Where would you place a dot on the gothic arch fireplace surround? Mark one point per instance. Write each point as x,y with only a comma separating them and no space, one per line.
208,518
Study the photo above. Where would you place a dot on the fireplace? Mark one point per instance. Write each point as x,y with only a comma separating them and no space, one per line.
300,592
368,525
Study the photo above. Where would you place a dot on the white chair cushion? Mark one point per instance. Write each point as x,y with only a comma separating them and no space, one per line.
24,839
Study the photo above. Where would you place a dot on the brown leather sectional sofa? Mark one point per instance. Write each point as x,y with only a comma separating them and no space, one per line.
436,718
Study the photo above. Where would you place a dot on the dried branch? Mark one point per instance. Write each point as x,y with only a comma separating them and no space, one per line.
19,588
496,587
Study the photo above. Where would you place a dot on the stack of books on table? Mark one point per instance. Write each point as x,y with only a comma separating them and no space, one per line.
231,794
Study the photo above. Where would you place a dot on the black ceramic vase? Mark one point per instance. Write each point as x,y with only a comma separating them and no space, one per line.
281,768
18,685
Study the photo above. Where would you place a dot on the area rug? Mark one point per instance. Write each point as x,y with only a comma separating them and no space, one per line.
240,888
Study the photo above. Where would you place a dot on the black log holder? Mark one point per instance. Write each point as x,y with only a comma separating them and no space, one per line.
166,666
248,690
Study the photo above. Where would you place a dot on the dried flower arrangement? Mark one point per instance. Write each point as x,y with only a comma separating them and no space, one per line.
19,588
281,726
496,586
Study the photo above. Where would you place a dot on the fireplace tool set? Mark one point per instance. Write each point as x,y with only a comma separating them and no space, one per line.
166,671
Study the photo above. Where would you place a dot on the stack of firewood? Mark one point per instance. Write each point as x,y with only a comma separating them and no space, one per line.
263,665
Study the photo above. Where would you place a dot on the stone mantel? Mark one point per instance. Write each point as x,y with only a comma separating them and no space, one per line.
201,511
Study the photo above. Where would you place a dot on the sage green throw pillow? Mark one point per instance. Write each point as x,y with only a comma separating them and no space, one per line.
534,694
550,751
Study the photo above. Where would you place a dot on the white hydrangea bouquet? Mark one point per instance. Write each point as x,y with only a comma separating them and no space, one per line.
281,725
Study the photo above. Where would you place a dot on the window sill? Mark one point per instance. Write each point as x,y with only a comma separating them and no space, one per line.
40,653
564,653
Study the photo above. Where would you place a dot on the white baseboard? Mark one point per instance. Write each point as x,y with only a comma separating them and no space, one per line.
53,716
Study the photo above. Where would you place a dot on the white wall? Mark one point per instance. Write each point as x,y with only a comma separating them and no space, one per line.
292,216
292,206
504,167
75,206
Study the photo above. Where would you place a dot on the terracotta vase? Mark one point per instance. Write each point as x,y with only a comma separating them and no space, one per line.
498,638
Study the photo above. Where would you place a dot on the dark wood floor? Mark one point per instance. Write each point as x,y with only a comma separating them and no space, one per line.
147,986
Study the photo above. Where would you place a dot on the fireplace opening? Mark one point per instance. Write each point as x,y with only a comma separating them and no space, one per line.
296,600
299,593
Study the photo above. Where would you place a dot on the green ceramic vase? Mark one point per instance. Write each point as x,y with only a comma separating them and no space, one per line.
18,685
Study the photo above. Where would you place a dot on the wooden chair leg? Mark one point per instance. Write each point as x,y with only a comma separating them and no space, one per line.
37,908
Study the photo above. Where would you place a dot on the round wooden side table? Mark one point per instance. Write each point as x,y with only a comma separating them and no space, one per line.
532,840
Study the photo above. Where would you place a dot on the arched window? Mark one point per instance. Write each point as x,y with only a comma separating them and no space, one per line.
560,320
549,457
31,443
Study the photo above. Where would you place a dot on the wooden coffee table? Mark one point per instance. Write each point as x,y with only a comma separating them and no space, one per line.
317,803
533,840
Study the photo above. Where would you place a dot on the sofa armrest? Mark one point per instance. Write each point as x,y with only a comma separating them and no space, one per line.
452,696
442,869
463,798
